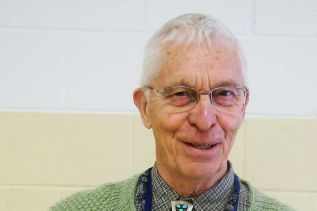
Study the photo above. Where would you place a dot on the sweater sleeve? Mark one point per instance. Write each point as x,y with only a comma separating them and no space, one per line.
262,202
108,197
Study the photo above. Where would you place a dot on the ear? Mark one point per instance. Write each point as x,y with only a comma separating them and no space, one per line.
141,103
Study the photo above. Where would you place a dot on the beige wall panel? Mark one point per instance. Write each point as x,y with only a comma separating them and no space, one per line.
72,152
300,201
31,199
3,198
281,153
143,146
69,149
237,153
65,192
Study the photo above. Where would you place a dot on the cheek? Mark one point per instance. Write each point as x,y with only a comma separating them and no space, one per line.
165,125
230,126
165,128
166,121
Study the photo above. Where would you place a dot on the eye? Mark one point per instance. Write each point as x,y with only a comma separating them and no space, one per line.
182,93
178,92
225,93
224,96
180,96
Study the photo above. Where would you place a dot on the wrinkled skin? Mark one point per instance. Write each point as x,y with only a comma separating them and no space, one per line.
188,170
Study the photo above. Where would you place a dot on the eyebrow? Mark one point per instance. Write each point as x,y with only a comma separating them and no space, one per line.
228,83
219,84
182,82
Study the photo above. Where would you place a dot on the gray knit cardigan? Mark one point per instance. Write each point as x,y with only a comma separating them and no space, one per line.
120,196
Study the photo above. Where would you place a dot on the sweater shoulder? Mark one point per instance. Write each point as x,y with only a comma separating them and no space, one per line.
110,196
262,202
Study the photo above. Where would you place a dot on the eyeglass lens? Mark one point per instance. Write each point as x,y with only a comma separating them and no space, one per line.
228,100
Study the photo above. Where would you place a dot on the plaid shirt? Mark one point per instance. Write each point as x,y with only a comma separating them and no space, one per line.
215,198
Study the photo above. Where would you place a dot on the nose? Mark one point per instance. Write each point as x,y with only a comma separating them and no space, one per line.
203,115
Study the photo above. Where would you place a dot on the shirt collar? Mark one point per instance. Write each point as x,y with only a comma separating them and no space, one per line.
217,195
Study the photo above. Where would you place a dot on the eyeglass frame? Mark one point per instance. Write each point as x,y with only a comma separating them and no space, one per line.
209,92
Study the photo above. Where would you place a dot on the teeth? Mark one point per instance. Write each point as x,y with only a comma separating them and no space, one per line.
202,146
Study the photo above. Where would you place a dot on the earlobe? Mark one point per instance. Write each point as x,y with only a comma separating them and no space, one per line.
141,103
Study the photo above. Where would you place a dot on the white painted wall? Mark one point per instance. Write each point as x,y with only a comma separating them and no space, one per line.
75,55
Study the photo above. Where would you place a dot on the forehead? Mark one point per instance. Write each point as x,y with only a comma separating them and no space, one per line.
200,65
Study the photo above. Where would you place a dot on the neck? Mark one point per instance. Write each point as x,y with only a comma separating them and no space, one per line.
188,187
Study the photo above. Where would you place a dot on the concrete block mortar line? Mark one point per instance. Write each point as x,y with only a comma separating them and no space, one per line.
145,10
276,37
251,23
45,186
288,191
65,29
132,141
282,36
278,116
64,86
244,151
59,190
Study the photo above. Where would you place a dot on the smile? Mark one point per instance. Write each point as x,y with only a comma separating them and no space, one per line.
203,146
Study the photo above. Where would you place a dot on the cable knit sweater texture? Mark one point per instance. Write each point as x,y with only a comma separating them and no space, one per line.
120,196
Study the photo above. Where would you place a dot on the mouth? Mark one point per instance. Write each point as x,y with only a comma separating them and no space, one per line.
201,152
203,146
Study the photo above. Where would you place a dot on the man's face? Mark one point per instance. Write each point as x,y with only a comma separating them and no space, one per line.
176,132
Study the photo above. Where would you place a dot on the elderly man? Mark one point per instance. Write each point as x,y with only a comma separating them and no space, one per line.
194,98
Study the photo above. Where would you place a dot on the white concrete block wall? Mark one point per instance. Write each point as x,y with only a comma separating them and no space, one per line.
282,76
236,14
286,17
77,55
31,69
107,73
109,15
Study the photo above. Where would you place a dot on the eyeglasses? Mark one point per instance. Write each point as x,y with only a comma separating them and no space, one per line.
226,99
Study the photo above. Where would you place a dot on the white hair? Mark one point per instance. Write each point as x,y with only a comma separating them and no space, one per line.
185,30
